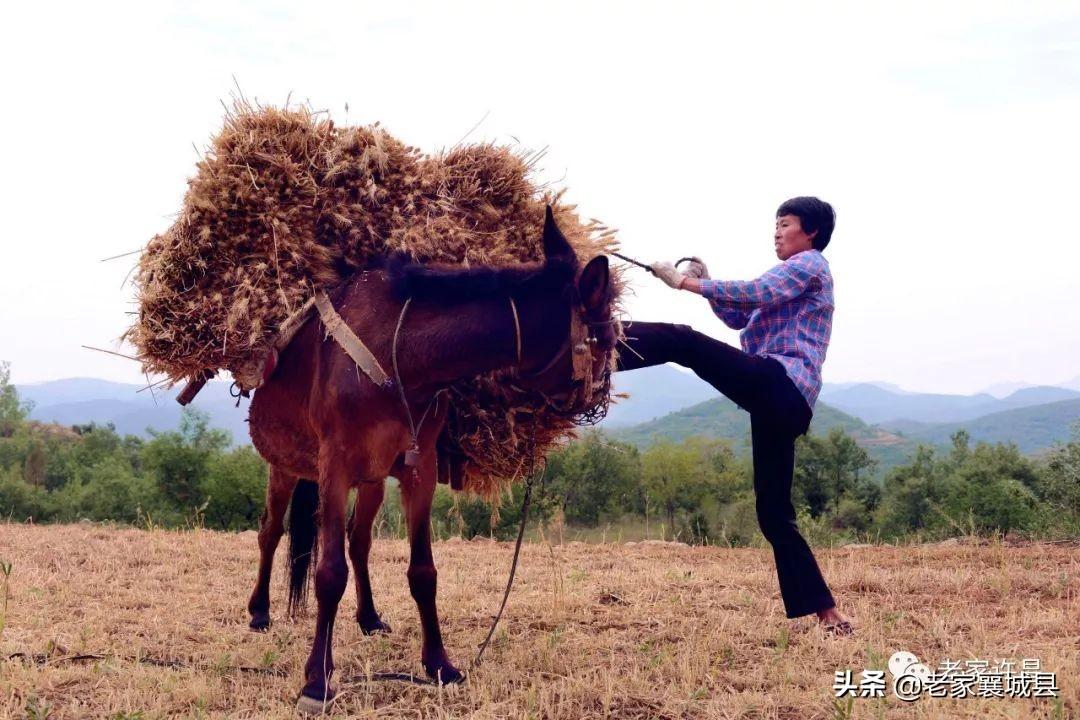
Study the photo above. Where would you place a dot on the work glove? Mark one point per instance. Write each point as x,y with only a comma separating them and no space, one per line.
667,272
696,269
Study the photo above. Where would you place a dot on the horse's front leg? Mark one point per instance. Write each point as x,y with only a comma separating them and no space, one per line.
417,492
331,576
279,489
369,497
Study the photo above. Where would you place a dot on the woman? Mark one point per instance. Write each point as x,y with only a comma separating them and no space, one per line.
786,318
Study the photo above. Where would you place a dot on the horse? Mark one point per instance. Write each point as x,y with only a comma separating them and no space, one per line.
318,417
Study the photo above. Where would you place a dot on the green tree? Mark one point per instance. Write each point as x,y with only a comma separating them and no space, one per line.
594,478
845,460
235,489
108,490
910,493
13,412
826,469
810,484
681,480
20,502
985,489
34,464
179,462
1059,483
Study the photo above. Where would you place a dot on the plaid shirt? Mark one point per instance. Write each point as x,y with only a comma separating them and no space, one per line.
785,314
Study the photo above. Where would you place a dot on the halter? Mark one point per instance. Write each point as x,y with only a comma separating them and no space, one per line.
578,341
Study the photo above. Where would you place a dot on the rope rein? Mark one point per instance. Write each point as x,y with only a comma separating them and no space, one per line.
412,455
517,545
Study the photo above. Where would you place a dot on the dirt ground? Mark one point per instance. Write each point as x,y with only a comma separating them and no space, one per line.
128,623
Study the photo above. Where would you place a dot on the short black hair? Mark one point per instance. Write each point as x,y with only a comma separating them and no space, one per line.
813,214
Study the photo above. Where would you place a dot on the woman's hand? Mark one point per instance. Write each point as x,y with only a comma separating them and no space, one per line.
696,269
667,272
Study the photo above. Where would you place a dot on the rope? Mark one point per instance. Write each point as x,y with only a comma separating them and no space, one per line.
397,371
517,545
517,329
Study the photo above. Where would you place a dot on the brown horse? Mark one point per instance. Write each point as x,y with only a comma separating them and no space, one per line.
319,417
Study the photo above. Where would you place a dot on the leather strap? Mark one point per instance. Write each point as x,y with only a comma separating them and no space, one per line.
349,342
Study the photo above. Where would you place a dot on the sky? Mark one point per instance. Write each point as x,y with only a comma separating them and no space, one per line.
944,134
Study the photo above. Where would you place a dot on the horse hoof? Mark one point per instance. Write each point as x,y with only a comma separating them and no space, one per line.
376,627
446,675
312,706
260,623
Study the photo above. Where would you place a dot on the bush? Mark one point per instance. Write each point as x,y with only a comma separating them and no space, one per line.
21,502
110,491
852,515
235,489
738,525
179,461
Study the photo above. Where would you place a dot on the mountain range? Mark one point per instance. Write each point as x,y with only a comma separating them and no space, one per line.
876,404
132,409
721,418
659,402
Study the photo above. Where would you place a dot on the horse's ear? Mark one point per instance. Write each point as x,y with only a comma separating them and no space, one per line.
555,244
593,283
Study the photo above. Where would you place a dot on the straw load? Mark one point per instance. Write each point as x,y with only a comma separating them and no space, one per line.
285,203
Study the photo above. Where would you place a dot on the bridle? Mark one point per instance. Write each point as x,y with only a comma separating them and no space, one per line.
580,342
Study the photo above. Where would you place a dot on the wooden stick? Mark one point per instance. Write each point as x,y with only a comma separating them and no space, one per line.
193,387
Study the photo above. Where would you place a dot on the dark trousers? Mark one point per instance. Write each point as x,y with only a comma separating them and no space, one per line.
778,414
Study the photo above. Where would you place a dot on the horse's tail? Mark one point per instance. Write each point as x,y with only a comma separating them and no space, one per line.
303,541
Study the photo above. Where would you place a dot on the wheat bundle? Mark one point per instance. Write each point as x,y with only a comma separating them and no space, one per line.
285,203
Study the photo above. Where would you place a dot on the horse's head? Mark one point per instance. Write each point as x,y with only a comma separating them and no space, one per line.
562,326
578,374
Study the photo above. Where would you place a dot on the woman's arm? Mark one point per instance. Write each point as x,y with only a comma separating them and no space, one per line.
785,282
734,318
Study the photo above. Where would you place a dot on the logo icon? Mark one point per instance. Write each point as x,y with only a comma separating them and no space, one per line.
909,675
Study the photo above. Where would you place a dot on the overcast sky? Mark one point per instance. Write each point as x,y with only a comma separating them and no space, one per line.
945,134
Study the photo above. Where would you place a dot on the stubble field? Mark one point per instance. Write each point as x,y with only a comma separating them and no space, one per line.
128,623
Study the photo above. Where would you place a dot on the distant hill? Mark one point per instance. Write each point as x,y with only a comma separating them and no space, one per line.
77,401
1031,428
1004,389
721,418
1073,384
664,402
877,404
830,388
654,392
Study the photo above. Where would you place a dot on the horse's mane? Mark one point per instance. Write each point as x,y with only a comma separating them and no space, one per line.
451,284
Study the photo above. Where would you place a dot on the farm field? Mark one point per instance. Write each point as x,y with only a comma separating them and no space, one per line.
129,623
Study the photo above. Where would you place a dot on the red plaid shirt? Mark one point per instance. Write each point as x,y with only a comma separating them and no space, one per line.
785,314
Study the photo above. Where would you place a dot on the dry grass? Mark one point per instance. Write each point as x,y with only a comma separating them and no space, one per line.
629,631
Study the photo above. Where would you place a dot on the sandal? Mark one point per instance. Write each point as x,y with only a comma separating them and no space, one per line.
839,629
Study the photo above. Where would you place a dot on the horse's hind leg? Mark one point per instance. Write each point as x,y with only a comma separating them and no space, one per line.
416,496
369,497
279,489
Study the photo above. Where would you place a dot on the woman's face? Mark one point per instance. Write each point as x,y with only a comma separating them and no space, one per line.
790,238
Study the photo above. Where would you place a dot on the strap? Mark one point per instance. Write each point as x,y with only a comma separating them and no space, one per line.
517,329
397,375
349,342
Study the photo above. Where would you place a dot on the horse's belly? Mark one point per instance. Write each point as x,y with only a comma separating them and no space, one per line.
281,434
